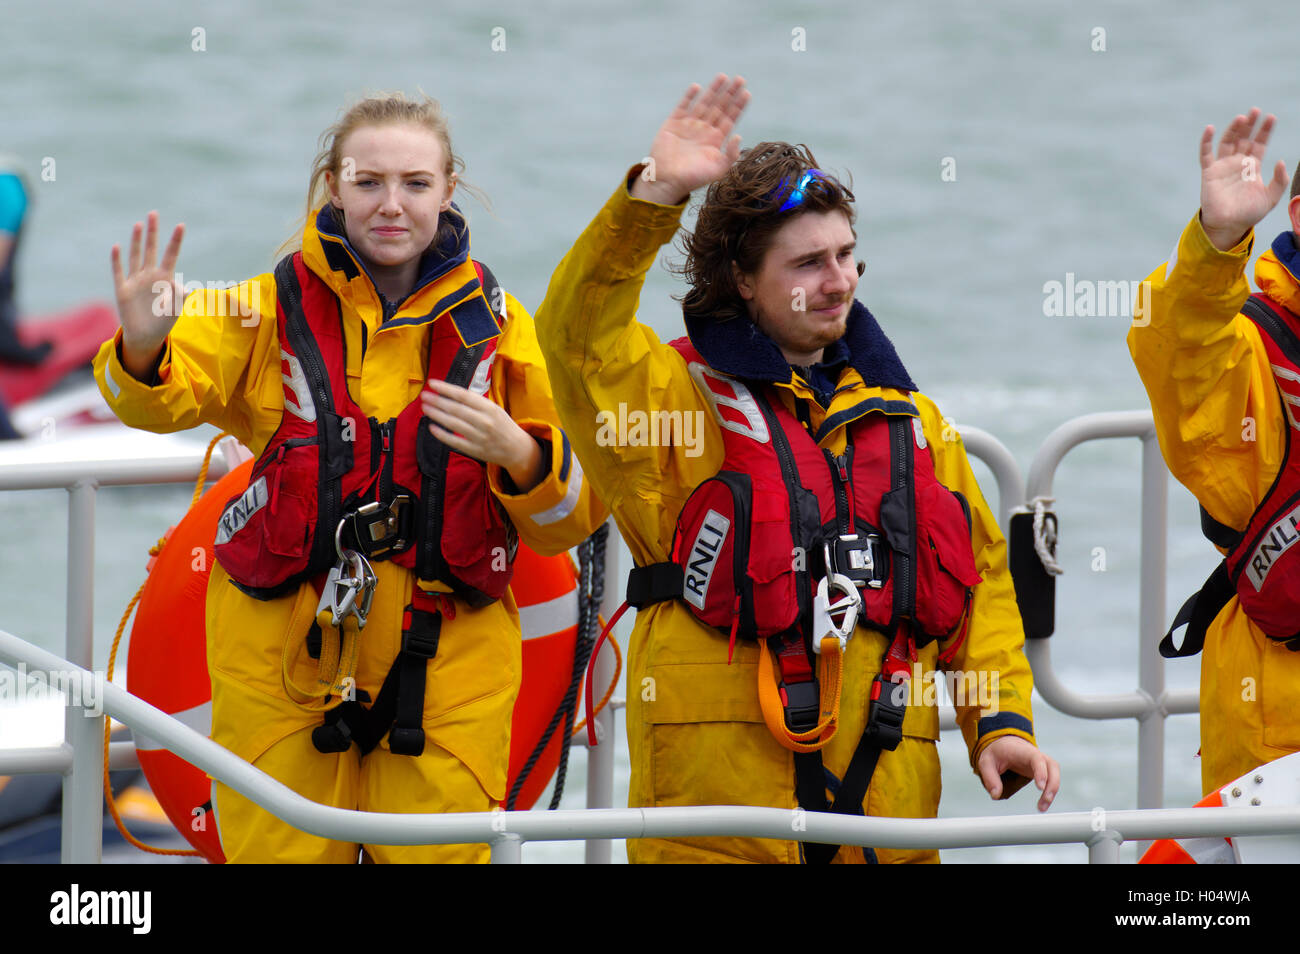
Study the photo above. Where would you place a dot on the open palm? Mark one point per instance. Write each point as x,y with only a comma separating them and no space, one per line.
1235,195
148,300
695,146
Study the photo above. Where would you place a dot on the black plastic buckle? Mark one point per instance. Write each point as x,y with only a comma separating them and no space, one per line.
406,741
861,559
802,704
379,530
421,637
885,716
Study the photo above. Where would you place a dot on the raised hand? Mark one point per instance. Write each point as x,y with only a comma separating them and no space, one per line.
694,146
148,301
1234,193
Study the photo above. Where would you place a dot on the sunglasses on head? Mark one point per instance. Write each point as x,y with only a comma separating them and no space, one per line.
797,194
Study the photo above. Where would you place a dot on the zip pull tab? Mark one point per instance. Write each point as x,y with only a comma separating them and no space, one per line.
386,435
842,463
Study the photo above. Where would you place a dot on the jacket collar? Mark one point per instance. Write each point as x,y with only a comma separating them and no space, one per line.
1278,272
447,282
737,347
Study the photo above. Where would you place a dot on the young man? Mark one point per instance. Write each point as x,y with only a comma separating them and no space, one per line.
1222,369
789,507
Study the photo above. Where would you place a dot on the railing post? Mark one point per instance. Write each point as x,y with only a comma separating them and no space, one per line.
83,786
600,758
1151,624
507,849
1103,848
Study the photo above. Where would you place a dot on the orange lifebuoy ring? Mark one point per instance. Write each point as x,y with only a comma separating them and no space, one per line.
167,660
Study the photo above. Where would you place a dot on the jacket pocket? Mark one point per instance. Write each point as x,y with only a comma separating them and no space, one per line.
945,561
735,553
478,541
264,535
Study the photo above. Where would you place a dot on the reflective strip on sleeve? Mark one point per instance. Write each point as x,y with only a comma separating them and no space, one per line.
109,380
564,507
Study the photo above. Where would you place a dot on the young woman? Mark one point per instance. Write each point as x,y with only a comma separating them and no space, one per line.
404,431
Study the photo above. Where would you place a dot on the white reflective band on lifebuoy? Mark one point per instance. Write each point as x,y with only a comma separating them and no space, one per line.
553,616
565,506
1208,851
199,719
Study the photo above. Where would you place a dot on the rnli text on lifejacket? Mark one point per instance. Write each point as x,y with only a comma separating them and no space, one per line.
241,509
1277,542
703,558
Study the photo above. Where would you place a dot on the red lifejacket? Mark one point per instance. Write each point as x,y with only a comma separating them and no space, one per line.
750,542
389,489
1262,564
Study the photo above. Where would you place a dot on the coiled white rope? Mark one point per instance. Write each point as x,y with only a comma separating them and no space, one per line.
1045,534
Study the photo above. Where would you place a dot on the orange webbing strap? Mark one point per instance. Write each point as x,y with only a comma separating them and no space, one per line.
769,699
112,659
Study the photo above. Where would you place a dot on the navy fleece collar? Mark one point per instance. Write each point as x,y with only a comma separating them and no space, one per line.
736,347
1286,252
438,259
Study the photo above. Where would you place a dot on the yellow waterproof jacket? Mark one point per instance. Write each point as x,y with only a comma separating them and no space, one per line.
222,366
1222,429
696,732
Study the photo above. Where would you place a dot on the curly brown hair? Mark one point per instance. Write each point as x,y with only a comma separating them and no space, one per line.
739,217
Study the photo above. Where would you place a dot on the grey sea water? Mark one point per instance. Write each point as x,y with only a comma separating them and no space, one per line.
994,148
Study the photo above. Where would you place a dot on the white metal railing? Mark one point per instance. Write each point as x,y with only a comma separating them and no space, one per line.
80,757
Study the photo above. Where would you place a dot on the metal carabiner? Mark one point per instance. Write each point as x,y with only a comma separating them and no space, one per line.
341,591
849,603
366,581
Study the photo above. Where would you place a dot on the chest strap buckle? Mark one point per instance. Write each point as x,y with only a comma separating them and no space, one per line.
861,559
378,530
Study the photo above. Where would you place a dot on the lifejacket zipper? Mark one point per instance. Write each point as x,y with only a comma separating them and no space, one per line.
430,565
790,477
386,445
902,471
842,482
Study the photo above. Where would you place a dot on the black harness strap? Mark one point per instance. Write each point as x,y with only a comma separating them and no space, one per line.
399,704
884,732
1198,613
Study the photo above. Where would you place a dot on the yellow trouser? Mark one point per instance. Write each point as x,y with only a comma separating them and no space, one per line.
379,782
469,694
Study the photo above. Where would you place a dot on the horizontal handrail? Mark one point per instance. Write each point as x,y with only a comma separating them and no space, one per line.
507,829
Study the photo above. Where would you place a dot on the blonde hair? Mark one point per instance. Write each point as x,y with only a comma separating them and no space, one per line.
382,109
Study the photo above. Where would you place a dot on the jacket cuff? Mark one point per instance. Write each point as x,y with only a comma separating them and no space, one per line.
556,495
118,380
1216,270
634,230
995,727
